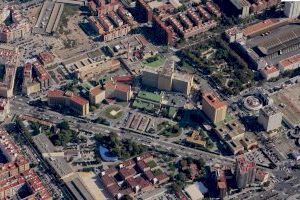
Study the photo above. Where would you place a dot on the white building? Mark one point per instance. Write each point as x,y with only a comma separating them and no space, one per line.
270,118
292,9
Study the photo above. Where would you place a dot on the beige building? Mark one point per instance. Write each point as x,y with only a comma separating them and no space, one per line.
89,69
9,58
235,137
214,108
7,85
96,95
4,109
119,91
270,118
167,80
76,103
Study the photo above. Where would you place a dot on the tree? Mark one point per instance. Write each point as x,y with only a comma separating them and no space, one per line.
64,125
127,197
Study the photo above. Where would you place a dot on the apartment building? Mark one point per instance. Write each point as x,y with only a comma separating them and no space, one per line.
74,102
213,107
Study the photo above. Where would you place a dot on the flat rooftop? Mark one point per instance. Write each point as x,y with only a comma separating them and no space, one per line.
288,102
274,33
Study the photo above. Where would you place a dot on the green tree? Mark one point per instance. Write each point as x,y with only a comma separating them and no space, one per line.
64,125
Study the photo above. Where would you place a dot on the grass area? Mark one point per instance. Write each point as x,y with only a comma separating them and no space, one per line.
154,61
87,85
163,125
157,172
113,112
151,164
150,96
171,131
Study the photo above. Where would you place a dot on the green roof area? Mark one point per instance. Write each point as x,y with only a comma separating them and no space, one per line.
143,105
172,112
154,61
156,98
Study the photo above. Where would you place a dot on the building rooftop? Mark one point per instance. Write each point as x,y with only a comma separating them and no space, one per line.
73,97
270,110
258,27
96,90
213,100
244,164
290,61
270,69
239,4
111,85
279,41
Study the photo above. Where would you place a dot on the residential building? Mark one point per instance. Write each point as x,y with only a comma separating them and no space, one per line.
117,90
213,107
41,73
262,176
15,173
9,59
219,177
96,94
8,82
292,9
136,175
233,34
167,80
68,99
18,28
4,109
46,57
245,171
89,69
270,118
241,8
270,72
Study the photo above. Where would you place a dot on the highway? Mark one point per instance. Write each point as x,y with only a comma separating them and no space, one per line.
21,107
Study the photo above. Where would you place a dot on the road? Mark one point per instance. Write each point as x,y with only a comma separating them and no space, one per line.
21,107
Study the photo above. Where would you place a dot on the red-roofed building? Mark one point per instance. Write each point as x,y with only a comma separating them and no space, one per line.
245,171
96,94
270,72
16,173
131,177
127,172
117,90
76,103
46,57
290,63
123,79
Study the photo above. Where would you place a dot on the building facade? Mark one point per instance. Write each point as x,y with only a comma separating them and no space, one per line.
292,9
245,171
213,107
76,103
270,118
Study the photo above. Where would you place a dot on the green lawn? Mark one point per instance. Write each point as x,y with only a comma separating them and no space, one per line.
151,164
113,112
171,131
157,172
156,63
